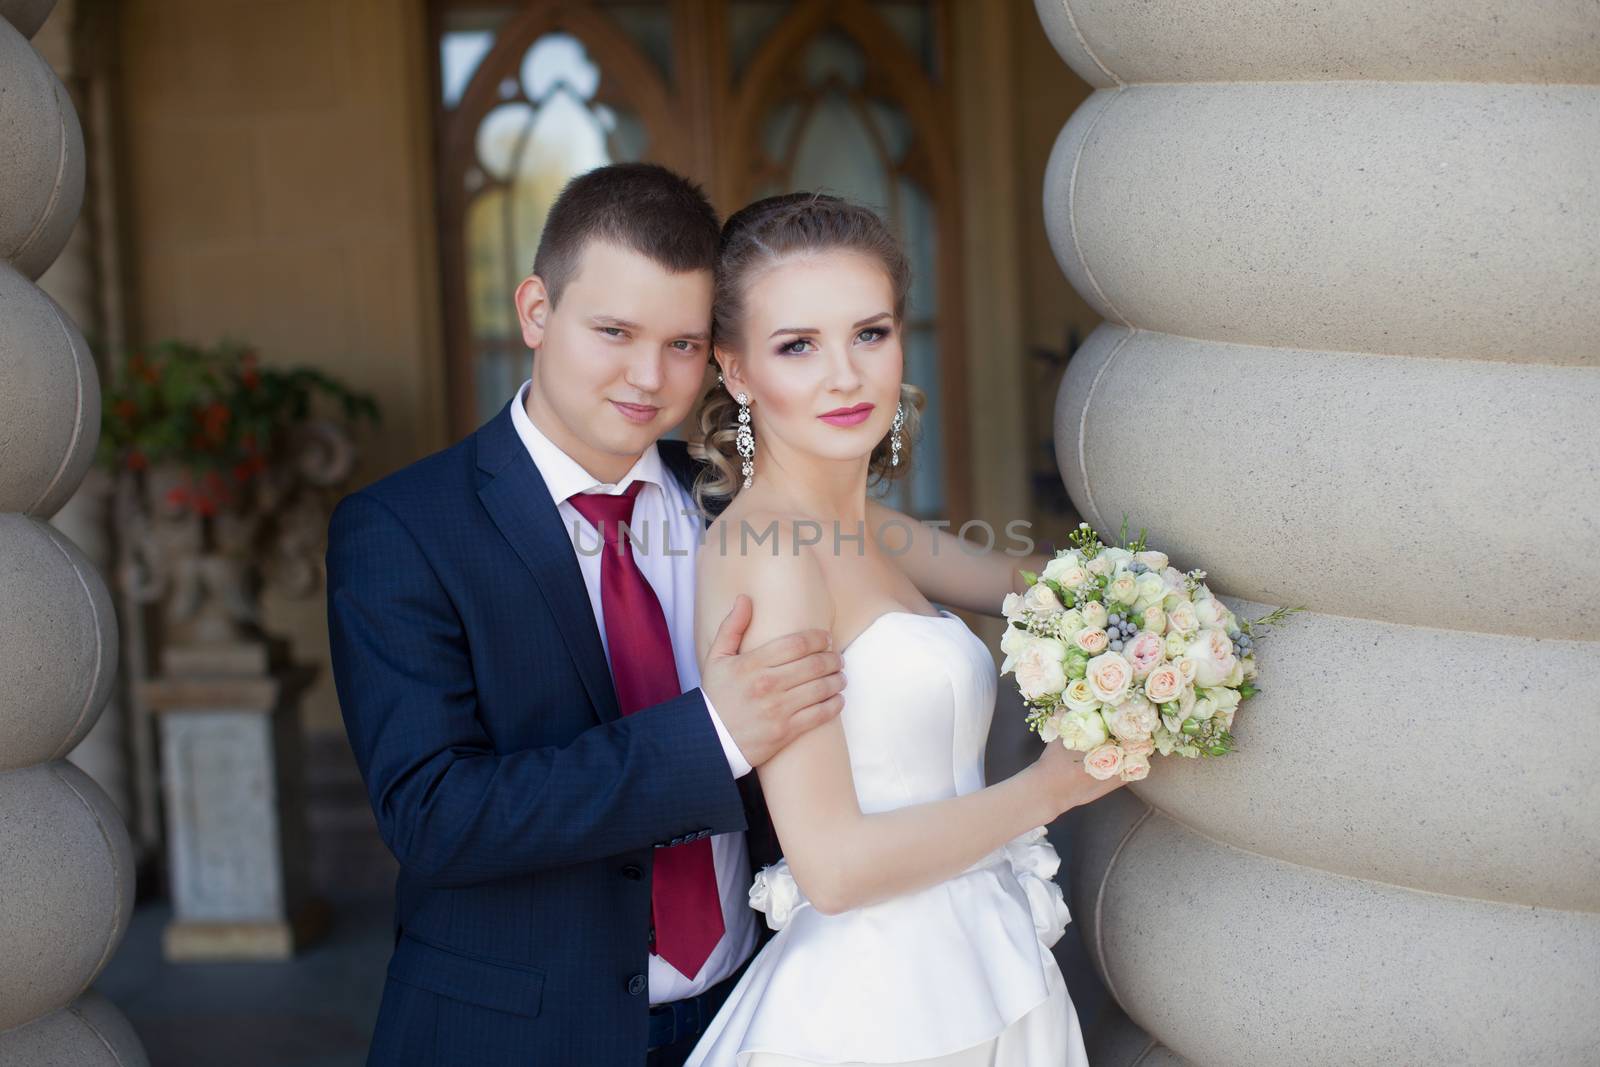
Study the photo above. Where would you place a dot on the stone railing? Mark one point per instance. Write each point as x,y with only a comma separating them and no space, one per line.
66,867
1348,254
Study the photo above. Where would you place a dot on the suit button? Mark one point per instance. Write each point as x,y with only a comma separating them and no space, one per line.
633,872
636,985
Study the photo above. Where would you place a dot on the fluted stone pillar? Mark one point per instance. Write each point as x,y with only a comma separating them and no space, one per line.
65,864
1348,255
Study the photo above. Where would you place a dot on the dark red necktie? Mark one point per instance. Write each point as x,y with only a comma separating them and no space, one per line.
683,896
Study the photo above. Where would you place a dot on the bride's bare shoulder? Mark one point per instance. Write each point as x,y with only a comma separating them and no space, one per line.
758,552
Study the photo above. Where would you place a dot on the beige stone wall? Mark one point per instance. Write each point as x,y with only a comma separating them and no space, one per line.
279,190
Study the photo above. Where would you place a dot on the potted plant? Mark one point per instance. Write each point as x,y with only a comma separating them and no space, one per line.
225,470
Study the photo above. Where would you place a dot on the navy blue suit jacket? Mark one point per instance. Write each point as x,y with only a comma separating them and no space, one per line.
523,808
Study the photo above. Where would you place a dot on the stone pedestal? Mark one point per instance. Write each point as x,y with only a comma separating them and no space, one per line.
235,823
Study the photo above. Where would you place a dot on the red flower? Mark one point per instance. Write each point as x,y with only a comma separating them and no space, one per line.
248,468
178,496
204,505
136,461
215,419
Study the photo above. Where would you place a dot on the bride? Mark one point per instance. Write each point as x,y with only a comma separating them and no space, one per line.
914,906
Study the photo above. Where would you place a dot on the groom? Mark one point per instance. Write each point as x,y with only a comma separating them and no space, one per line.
559,782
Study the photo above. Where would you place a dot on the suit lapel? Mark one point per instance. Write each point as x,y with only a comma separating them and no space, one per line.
519,502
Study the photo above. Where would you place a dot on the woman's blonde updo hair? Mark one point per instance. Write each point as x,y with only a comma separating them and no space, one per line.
755,239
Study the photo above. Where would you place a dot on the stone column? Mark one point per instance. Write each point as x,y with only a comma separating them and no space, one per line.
66,867
1348,254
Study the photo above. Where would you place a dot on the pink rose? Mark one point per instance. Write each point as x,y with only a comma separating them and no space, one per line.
1145,652
1164,684
1091,641
1134,768
1142,747
1104,761
1109,676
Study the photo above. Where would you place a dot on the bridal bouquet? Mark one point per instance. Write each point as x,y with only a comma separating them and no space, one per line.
1120,656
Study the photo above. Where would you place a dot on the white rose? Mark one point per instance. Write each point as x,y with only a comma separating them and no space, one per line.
1011,607
1103,762
1095,614
1133,719
1079,697
1226,702
1235,677
1123,589
1109,676
1174,580
1175,645
1066,571
1099,566
1214,615
1155,620
1135,766
1151,591
1039,670
1212,656
1186,668
1082,730
1156,561
1050,729
1071,621
1117,556
1012,643
1181,618
1042,601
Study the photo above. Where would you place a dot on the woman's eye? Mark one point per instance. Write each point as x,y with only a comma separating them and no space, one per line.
611,331
873,333
797,347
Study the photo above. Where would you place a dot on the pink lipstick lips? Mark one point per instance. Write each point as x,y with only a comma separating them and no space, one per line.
850,416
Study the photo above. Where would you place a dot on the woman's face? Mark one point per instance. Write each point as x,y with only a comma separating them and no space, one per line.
820,356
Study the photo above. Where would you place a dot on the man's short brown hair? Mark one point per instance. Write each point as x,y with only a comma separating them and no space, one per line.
639,206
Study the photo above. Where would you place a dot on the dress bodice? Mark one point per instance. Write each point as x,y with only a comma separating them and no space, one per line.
917,711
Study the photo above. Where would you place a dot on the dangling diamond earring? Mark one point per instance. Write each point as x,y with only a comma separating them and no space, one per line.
894,434
745,440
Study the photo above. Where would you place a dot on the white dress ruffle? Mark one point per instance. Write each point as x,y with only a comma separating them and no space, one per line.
963,965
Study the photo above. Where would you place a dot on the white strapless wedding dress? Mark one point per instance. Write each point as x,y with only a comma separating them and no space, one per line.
956,975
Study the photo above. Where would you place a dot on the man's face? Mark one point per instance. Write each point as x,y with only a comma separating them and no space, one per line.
621,358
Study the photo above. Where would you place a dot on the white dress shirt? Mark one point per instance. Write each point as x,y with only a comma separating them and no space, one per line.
667,531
